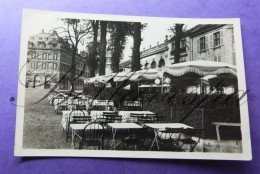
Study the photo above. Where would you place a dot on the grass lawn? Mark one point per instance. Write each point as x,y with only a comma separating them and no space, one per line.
42,127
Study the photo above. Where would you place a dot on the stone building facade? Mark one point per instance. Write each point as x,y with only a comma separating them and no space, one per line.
202,42
49,63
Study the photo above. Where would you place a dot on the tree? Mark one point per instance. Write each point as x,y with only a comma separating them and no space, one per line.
102,50
118,32
135,65
178,33
92,59
70,36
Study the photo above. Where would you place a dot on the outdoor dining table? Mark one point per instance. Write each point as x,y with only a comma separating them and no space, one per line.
157,127
121,126
126,114
78,128
66,114
218,124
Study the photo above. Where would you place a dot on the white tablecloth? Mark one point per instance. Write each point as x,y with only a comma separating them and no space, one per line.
126,114
124,126
161,127
65,117
62,102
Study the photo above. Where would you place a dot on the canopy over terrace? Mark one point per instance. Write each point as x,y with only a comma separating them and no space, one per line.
148,74
200,72
100,79
198,69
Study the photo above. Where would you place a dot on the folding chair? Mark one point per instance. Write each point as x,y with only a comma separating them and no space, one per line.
93,135
189,139
76,117
60,104
112,117
169,137
135,137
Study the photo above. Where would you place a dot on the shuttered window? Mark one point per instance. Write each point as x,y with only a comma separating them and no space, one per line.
217,58
202,43
216,39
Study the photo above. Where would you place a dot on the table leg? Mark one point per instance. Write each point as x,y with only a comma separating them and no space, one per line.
218,136
72,138
113,141
155,140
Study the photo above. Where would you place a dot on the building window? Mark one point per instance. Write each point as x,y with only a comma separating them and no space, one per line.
49,56
161,63
202,44
216,37
217,58
44,66
183,43
40,38
38,56
173,46
38,65
49,65
33,55
54,66
44,56
32,65
55,56
153,65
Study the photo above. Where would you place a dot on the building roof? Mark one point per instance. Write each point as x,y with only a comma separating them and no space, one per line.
198,29
44,35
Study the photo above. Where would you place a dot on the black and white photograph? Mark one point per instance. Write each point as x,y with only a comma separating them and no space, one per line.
130,86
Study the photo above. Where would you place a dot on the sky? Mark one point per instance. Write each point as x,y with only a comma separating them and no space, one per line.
154,33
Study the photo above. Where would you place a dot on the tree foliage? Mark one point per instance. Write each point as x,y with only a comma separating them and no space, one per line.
70,36
178,32
118,36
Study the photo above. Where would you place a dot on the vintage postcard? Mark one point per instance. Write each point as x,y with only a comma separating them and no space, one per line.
129,86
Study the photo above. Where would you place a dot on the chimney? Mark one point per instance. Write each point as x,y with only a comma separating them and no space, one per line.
150,46
42,30
157,43
166,38
144,48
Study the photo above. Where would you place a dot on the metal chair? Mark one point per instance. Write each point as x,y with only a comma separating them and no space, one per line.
76,117
134,138
93,135
189,139
60,104
112,117
169,138
142,118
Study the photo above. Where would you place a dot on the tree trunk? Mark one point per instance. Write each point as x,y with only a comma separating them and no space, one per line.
93,56
178,35
116,45
73,69
103,44
135,65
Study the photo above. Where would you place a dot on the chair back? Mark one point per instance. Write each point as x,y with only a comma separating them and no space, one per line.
112,117
93,134
143,118
78,116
